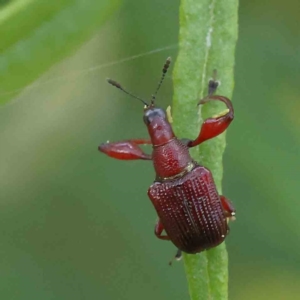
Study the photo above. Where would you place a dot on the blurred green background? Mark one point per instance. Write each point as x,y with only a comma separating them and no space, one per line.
77,225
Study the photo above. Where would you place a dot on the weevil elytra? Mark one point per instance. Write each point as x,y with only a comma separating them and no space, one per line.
190,210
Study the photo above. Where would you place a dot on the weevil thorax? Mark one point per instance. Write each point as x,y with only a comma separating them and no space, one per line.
170,156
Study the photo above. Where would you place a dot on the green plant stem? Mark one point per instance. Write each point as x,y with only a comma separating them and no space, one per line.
207,39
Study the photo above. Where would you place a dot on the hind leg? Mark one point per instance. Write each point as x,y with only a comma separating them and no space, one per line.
178,256
228,208
159,227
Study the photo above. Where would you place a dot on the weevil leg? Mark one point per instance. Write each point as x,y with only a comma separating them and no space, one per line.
159,227
178,256
126,150
228,208
214,126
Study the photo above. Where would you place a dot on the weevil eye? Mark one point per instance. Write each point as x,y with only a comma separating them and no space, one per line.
152,113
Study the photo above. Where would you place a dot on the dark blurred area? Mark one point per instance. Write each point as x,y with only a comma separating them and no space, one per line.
78,225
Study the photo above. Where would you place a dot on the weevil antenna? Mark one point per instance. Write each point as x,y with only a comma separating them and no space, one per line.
164,71
118,85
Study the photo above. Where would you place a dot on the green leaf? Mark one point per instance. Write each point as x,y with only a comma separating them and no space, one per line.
207,39
36,34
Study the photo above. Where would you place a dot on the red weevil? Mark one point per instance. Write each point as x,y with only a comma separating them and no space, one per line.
190,210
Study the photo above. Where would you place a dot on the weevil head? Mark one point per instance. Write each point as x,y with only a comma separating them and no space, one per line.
152,113
155,118
159,128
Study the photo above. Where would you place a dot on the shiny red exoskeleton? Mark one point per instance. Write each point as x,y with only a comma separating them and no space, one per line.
190,210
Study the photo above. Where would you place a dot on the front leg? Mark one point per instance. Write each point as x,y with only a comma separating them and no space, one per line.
126,150
212,127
